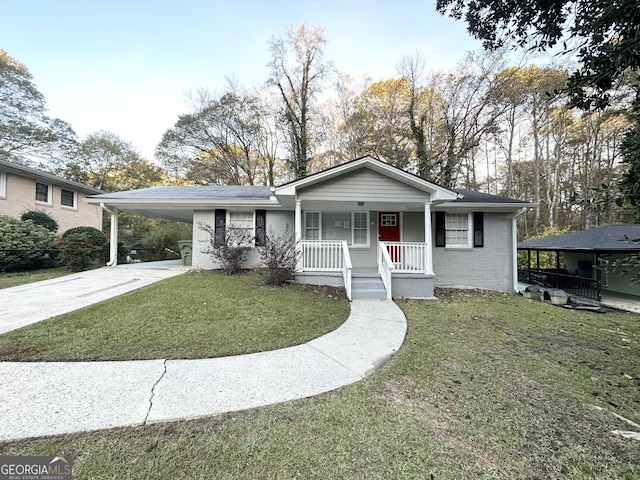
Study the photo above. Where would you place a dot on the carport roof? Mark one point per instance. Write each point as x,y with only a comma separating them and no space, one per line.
179,202
226,192
609,238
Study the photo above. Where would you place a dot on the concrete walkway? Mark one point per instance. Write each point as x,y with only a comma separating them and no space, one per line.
50,398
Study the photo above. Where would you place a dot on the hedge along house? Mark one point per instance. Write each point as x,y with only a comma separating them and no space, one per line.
365,225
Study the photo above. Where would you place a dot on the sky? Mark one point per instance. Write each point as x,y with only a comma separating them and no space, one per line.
126,65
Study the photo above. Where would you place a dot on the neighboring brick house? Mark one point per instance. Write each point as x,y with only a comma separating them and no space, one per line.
365,224
23,189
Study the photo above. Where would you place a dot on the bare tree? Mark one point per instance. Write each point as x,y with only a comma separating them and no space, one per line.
297,69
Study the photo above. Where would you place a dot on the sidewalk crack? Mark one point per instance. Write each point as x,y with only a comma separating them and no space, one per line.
146,418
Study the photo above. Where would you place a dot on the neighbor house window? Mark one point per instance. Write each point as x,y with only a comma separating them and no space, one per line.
68,198
3,184
43,192
312,225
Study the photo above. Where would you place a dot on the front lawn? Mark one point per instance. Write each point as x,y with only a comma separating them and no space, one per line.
485,386
194,315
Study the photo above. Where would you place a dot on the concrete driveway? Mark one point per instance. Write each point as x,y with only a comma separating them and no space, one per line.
34,302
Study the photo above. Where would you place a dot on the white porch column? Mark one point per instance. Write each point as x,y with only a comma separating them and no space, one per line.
427,238
298,232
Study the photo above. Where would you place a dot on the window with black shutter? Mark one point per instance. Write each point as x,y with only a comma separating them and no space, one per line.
478,229
261,228
220,227
441,231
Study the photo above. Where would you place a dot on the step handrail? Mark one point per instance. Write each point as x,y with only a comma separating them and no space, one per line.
385,267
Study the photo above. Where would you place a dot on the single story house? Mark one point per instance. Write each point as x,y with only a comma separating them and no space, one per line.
365,225
24,188
577,258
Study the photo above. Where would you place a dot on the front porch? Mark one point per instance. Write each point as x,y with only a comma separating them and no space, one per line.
402,269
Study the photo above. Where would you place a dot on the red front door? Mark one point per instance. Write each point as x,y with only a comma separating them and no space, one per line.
389,231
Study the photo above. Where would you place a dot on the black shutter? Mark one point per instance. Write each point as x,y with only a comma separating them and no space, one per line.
440,229
220,227
478,229
261,228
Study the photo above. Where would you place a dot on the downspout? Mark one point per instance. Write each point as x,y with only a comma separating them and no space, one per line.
514,236
113,237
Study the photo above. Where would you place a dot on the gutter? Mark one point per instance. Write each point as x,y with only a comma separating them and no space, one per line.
514,236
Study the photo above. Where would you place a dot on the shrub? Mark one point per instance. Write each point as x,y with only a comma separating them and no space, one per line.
83,248
23,243
159,246
279,256
41,218
233,252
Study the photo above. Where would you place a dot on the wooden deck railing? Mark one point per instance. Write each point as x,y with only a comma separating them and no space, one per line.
579,286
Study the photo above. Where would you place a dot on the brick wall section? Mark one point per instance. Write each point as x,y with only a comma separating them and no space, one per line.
21,197
489,267
277,222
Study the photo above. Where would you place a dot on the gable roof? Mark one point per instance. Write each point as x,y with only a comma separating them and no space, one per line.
613,238
438,193
44,177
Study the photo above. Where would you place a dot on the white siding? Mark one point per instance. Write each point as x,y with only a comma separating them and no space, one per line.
413,227
277,222
363,185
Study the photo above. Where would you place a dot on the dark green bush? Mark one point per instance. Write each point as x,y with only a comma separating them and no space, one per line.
83,248
23,244
159,245
41,218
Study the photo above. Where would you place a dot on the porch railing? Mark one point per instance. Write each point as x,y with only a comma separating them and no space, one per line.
408,257
385,267
327,256
579,286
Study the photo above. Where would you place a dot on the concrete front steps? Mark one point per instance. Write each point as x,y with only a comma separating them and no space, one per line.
367,286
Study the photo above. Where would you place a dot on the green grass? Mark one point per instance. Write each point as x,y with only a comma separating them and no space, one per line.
194,315
14,279
485,386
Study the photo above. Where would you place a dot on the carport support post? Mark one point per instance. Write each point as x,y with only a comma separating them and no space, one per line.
113,237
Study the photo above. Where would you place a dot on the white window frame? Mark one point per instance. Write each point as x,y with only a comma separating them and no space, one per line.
384,217
74,206
318,228
469,230
251,230
49,193
352,228
3,184
367,228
